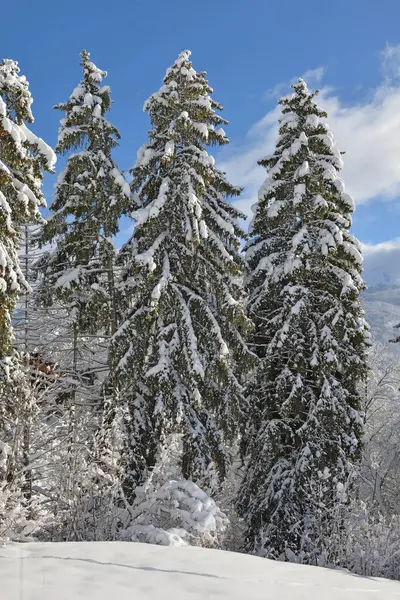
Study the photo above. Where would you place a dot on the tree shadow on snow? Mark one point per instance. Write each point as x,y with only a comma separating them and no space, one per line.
134,568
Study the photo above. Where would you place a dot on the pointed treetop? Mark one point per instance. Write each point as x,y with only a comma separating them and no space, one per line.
183,57
85,107
15,109
90,70
303,183
11,81
301,101
185,97
301,86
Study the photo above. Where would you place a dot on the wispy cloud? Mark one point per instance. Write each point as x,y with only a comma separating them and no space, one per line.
390,56
382,248
312,76
368,132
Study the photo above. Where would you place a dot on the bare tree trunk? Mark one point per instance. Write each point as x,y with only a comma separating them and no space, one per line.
26,428
72,401
111,291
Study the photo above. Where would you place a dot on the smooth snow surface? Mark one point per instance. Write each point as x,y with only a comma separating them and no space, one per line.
127,571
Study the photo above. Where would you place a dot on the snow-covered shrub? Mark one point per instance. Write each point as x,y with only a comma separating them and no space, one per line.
366,544
148,534
18,518
170,510
10,512
177,513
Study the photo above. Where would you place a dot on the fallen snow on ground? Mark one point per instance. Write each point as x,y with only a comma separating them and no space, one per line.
123,570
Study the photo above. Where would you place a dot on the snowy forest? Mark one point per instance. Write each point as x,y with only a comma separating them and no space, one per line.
209,383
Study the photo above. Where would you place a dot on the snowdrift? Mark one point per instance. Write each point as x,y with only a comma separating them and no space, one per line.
123,570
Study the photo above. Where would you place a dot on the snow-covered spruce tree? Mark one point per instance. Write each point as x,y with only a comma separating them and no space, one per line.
23,156
180,344
91,195
304,280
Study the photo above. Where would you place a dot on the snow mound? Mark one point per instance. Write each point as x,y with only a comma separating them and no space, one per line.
108,570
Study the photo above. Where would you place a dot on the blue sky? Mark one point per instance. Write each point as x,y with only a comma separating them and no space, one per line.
251,51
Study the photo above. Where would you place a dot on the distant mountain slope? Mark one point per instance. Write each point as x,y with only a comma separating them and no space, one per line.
382,309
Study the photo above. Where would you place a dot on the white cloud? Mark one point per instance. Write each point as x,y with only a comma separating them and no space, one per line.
391,62
368,132
382,263
276,91
312,76
382,248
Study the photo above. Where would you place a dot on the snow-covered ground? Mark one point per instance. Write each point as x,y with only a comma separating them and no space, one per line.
123,570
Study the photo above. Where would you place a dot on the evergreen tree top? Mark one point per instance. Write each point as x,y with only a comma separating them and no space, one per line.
15,109
85,110
301,118
185,102
303,182
301,101
91,195
85,129
184,120
90,70
23,155
16,89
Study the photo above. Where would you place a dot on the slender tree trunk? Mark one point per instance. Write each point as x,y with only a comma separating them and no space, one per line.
72,445
26,433
111,291
72,400
110,394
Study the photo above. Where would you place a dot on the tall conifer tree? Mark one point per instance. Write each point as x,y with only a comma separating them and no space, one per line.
91,195
23,156
304,280
178,347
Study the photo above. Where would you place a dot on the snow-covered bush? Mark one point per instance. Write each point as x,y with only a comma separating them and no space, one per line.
177,513
367,543
18,520
148,534
174,511
10,511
